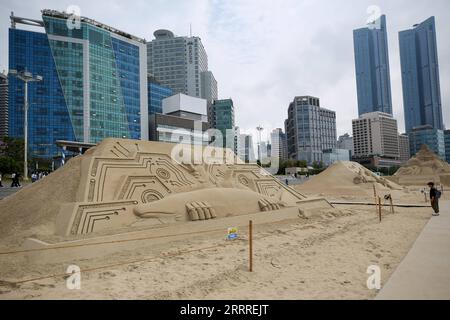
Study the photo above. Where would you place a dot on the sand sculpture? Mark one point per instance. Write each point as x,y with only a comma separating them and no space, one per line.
347,179
424,167
126,183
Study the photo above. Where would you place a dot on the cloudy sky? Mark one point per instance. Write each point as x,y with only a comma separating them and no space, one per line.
263,52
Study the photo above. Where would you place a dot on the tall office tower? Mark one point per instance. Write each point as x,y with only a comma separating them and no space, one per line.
373,78
404,149
376,135
310,129
209,90
278,144
222,118
3,105
447,145
156,94
237,140
246,149
178,63
420,76
94,82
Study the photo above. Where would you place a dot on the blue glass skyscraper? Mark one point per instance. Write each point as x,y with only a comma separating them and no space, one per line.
420,76
156,94
372,68
95,83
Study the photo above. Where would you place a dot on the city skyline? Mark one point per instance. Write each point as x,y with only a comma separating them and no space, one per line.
262,79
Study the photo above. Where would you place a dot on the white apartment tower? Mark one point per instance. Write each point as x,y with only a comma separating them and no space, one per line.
376,134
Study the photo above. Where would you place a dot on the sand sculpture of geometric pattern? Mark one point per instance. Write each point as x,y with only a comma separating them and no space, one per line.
424,167
128,183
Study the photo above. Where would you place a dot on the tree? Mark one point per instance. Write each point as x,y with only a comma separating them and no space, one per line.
8,165
14,148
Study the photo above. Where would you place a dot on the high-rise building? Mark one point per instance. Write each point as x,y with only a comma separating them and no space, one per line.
372,68
376,134
3,105
447,145
94,82
310,129
246,149
278,143
420,76
427,135
346,142
222,118
179,62
156,94
209,88
404,148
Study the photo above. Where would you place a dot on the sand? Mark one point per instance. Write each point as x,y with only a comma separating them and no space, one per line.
33,209
322,258
351,181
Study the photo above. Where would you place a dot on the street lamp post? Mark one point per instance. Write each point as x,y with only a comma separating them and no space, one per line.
26,77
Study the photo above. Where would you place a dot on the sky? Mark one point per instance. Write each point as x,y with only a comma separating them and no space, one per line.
263,53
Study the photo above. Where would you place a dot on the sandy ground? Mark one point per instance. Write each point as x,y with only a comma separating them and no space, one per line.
323,258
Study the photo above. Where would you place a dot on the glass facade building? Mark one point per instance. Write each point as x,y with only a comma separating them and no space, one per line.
156,94
223,120
420,76
447,145
310,129
433,138
372,68
94,87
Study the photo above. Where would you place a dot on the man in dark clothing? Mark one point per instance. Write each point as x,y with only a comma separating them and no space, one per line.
434,198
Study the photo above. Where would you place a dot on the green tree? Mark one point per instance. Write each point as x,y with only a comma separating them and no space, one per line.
14,148
8,165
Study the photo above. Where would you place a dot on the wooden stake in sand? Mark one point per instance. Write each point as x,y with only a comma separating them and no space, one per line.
392,204
379,207
250,241
376,198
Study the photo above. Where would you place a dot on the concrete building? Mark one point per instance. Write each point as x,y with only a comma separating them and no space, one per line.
447,145
433,138
278,143
184,106
310,129
376,135
179,63
420,76
346,142
222,119
404,148
94,83
3,105
183,120
372,68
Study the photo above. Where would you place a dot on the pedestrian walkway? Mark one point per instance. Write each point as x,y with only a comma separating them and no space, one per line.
425,272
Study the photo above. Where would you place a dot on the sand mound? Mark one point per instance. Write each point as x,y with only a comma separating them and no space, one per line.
425,162
35,207
347,179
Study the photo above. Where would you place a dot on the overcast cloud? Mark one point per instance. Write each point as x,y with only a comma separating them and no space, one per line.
264,53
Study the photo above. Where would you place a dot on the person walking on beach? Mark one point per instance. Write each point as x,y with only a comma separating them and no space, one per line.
435,195
1,186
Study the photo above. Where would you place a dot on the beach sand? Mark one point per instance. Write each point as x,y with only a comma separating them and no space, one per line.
321,258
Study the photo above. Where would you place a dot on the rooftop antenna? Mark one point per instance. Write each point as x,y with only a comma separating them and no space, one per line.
190,30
